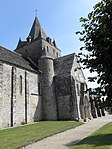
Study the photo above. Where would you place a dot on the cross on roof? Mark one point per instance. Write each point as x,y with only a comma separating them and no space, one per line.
36,12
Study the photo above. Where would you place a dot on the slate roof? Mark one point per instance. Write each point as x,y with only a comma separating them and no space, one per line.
16,59
63,65
37,30
21,43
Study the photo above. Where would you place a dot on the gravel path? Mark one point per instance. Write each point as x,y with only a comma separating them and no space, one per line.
65,139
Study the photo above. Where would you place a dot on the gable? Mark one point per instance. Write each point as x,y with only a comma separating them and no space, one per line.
67,65
75,72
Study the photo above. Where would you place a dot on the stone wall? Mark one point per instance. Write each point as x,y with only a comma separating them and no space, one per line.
19,99
1,92
48,98
75,99
5,95
32,50
64,100
34,102
50,50
19,96
80,85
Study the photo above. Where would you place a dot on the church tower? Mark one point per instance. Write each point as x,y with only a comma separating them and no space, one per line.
41,50
36,43
49,107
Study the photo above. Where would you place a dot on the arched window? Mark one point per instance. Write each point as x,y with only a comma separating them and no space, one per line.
20,85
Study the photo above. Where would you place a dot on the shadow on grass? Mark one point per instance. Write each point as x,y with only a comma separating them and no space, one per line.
96,140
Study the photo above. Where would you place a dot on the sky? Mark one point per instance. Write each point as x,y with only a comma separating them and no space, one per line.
59,19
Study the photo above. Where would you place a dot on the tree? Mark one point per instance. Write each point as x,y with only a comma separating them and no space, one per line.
96,53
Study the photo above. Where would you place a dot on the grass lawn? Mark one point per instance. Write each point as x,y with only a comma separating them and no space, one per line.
20,136
100,139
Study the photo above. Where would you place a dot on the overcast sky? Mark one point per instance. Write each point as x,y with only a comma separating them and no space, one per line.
59,18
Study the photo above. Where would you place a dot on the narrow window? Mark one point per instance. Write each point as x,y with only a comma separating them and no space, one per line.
20,85
47,49
57,54
39,89
78,92
44,50
53,51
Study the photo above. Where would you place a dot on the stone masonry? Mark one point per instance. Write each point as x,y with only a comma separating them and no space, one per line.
37,83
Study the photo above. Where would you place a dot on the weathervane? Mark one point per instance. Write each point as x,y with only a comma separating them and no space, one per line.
36,12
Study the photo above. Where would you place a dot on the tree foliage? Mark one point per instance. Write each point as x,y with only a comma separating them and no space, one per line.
96,53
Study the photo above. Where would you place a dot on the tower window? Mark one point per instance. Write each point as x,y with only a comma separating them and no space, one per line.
20,85
57,54
53,51
47,49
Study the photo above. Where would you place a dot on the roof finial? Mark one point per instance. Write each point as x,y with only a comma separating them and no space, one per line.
36,12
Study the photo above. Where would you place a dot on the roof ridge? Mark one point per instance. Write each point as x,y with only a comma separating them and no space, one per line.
11,51
66,56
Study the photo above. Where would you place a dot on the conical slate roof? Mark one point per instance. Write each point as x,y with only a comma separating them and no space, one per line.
37,30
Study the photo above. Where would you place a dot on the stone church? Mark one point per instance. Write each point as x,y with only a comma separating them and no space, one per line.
37,83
